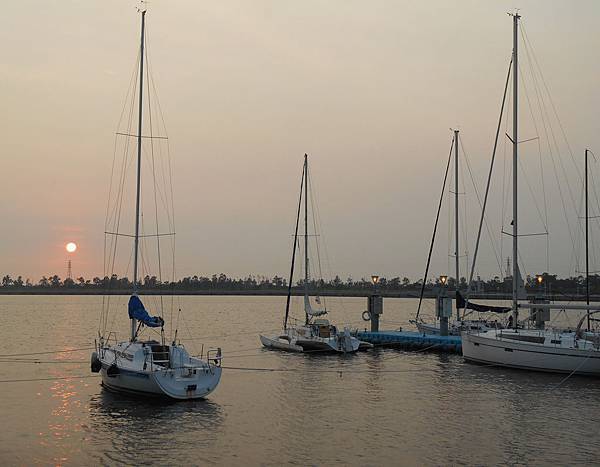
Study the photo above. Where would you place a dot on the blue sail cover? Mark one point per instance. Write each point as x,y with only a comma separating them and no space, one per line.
137,311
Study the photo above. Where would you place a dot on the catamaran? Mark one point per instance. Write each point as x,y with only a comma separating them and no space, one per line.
573,352
147,366
316,334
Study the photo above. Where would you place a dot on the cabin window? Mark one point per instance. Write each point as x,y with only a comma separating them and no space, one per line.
523,338
555,341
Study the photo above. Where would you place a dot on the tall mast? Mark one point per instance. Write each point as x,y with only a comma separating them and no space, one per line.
139,167
587,257
515,141
306,275
456,219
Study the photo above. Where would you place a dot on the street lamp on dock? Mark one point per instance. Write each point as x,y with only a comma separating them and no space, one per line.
444,306
375,305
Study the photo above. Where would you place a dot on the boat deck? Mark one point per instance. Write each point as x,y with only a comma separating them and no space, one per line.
413,340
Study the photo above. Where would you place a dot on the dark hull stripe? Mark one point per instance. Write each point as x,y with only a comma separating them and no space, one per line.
153,395
524,367
134,392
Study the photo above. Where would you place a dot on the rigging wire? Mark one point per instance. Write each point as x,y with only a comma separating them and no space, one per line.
545,116
434,232
506,168
316,232
149,104
114,219
155,160
487,188
481,205
323,242
291,279
464,216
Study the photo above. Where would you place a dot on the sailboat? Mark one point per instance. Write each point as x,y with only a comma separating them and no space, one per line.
148,367
573,352
316,334
461,322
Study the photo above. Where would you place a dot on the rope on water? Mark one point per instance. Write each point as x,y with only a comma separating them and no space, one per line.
45,353
47,379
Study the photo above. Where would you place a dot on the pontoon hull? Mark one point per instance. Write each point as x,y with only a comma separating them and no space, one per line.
279,344
297,343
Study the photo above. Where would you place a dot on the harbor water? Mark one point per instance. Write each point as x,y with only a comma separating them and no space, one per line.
380,407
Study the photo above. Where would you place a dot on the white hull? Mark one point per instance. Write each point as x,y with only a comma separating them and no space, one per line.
339,344
279,343
490,348
162,384
131,368
307,339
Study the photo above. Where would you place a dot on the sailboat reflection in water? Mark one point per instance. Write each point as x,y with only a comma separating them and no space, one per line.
146,364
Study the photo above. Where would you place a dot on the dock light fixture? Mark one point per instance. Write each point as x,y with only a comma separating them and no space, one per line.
539,278
375,279
443,279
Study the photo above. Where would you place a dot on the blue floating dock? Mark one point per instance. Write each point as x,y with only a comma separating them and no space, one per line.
413,340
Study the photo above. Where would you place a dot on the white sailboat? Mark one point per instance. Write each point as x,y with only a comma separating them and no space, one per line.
149,367
575,352
316,334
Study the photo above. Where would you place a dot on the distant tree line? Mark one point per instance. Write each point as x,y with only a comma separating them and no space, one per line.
550,283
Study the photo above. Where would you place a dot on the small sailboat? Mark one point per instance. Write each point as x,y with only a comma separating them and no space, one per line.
316,334
548,350
146,366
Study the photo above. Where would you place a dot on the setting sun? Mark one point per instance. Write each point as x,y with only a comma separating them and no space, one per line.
71,247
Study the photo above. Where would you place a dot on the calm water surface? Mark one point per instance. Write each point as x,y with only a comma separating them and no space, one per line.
383,407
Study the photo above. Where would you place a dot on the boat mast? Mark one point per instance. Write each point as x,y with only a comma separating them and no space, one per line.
139,167
456,220
306,275
587,258
515,285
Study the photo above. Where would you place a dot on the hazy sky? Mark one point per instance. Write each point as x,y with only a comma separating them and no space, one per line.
368,88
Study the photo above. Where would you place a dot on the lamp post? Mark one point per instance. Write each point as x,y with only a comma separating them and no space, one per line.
444,306
540,315
375,305
539,279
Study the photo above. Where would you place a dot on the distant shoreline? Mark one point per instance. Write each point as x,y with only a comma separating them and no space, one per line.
429,294
259,293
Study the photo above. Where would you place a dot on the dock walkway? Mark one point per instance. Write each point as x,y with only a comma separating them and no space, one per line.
413,340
